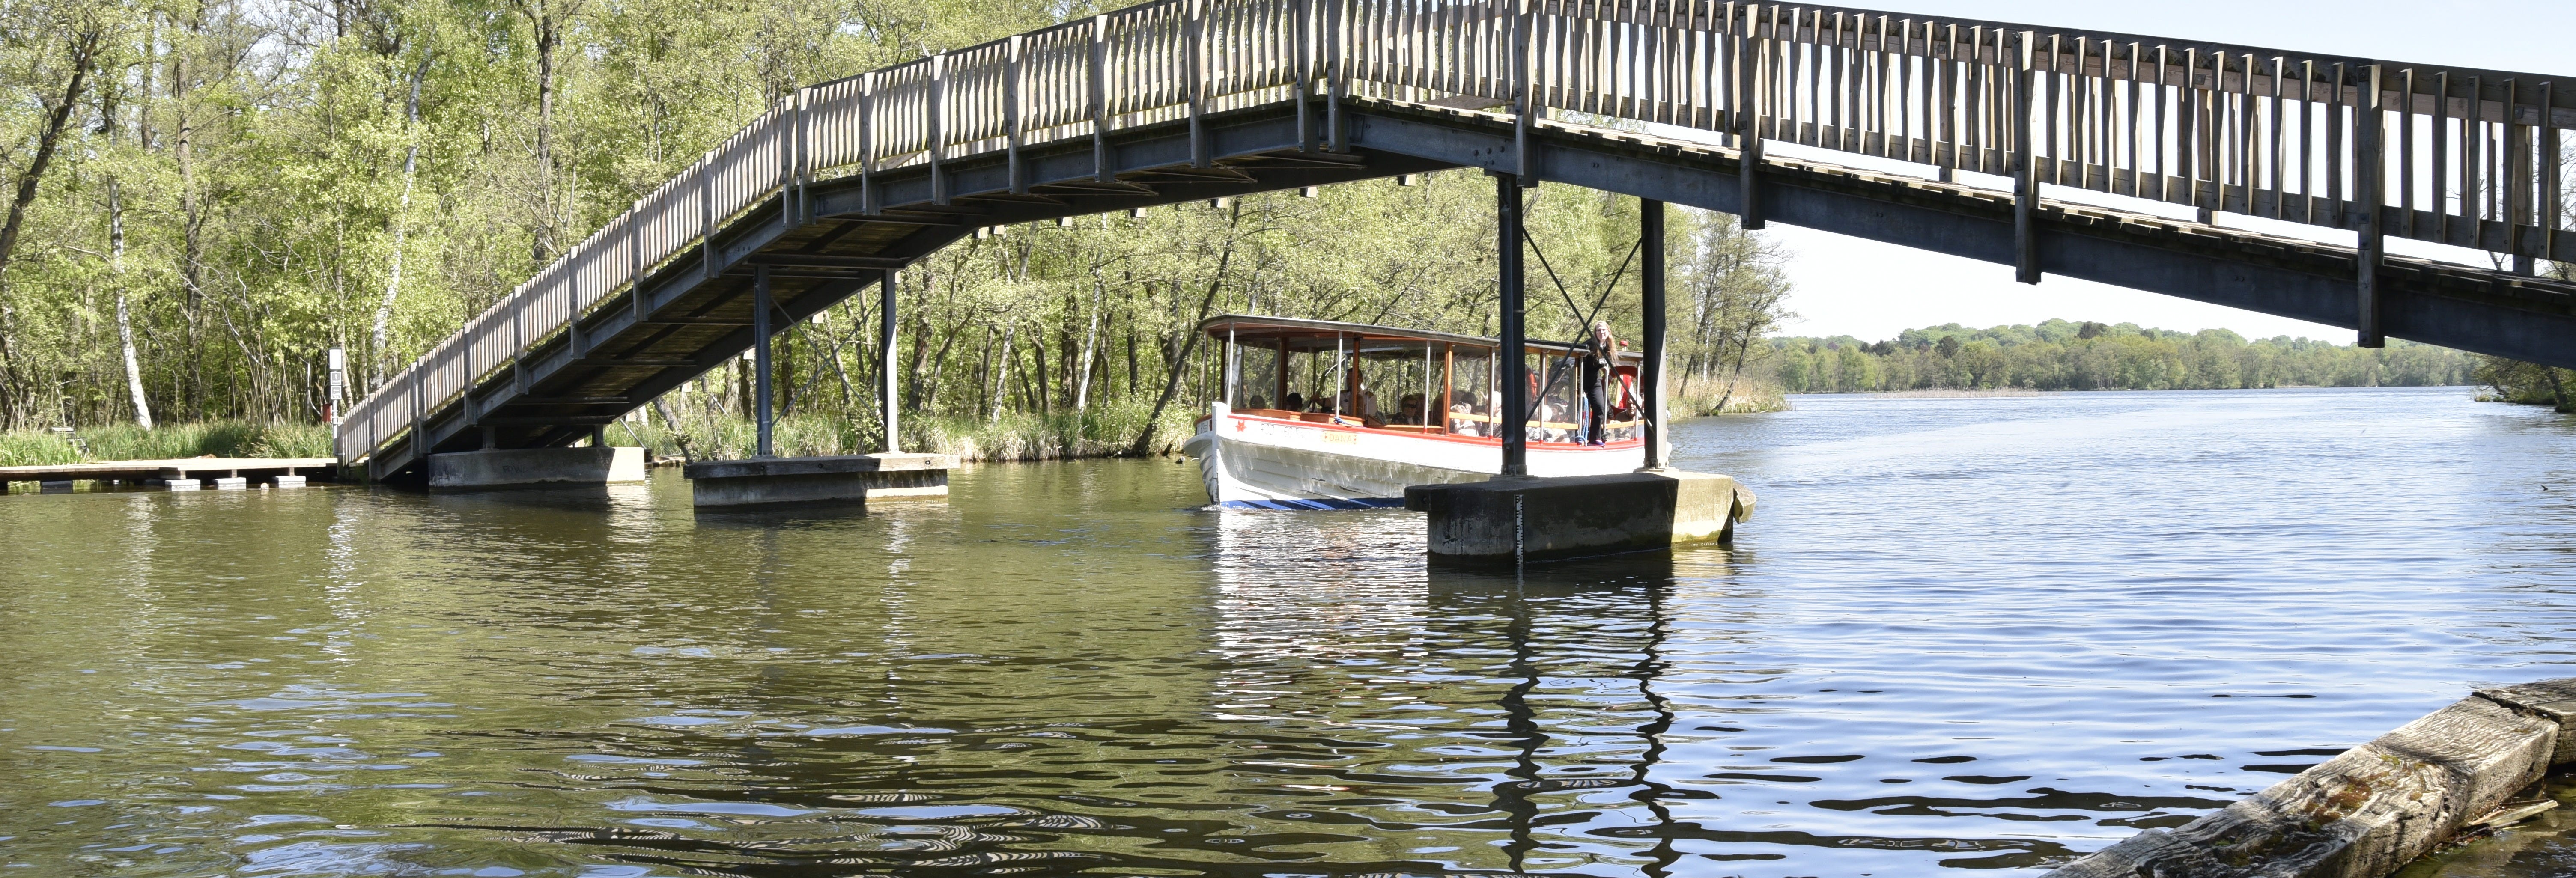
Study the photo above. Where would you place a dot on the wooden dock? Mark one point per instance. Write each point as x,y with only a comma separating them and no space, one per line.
180,474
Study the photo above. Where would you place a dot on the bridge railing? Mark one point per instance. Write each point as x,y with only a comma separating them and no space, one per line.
2450,155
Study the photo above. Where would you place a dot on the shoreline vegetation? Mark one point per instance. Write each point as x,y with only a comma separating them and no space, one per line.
2068,355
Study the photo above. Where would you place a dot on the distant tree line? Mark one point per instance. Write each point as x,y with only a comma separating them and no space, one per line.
2063,355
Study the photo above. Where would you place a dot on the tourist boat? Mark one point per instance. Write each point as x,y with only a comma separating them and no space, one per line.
1289,432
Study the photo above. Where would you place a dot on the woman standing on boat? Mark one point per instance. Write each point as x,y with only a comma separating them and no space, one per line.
1599,382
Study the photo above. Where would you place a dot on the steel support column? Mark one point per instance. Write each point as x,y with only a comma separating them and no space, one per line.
1650,378
760,308
1513,405
889,403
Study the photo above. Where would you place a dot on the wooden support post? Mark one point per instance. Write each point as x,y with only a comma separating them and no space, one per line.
1015,89
2025,178
599,435
802,169
1302,49
868,195
706,171
1525,98
760,364
635,260
2549,174
1279,375
419,440
2518,200
791,117
1448,384
2366,172
889,404
1202,153
1515,403
935,109
1337,24
1748,128
1101,168
1650,379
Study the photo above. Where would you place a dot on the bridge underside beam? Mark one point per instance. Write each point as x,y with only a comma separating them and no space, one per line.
2453,306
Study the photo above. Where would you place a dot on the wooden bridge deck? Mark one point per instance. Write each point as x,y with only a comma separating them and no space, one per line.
1185,100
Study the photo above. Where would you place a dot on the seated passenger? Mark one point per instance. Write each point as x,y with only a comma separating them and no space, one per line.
1257,402
1295,402
1408,410
1463,402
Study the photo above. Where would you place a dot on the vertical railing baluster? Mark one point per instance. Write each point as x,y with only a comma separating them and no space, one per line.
2368,172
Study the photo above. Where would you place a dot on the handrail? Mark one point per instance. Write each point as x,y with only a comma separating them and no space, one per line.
2458,155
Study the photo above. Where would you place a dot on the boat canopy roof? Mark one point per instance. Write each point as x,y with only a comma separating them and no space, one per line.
1307,336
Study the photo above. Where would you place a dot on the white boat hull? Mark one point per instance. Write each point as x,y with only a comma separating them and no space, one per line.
1251,461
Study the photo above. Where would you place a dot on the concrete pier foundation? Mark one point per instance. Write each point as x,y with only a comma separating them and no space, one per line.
1508,520
856,478
520,467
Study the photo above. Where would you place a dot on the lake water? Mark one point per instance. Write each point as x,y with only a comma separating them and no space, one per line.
1960,634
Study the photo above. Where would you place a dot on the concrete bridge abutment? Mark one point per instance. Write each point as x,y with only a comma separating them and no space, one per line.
848,479
530,467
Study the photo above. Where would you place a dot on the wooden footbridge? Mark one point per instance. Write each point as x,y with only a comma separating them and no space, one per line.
845,182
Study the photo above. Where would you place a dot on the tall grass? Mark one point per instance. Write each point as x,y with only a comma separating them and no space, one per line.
130,442
1104,431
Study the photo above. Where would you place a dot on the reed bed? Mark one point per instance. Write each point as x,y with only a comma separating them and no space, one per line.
131,442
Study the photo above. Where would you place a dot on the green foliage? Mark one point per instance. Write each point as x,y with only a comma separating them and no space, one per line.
2526,383
247,186
2059,355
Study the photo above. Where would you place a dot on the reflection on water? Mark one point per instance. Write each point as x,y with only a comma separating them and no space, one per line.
1978,634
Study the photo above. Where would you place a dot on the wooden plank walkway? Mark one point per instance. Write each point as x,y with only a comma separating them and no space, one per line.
179,468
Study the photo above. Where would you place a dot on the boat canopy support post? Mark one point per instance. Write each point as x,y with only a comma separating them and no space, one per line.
1650,378
1515,407
760,362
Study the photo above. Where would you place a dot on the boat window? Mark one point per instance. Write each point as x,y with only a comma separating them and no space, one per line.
1471,391
1556,410
1255,367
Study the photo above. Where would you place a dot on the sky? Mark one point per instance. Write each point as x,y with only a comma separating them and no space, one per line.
1846,286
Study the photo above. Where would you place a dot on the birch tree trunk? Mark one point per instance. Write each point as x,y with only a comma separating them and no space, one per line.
124,323
1002,380
1090,335
393,278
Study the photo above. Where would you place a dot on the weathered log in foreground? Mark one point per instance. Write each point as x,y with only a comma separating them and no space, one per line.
2374,809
